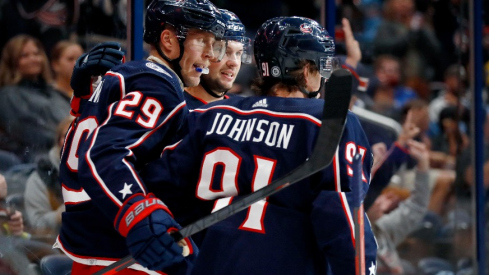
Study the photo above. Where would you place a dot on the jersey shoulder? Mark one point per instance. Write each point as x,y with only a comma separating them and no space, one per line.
312,107
192,101
138,74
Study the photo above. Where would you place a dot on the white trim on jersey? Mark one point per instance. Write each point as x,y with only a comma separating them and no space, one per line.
337,170
343,199
268,112
92,165
346,208
122,83
74,196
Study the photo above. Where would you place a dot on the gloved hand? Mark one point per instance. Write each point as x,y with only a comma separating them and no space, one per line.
146,223
97,61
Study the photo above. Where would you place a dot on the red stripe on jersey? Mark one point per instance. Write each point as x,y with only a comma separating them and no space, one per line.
91,165
122,87
266,112
170,147
71,189
344,204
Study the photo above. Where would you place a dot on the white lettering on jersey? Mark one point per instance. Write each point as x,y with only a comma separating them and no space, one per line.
83,129
273,134
264,168
350,152
230,162
237,129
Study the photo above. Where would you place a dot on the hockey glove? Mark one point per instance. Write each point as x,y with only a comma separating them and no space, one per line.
97,61
146,223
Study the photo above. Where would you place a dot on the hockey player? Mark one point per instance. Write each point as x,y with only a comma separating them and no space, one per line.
239,145
214,85
136,110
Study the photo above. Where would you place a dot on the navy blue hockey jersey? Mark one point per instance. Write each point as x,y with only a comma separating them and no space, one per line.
136,110
239,145
195,102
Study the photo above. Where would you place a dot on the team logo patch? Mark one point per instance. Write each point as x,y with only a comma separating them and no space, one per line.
275,71
155,67
305,28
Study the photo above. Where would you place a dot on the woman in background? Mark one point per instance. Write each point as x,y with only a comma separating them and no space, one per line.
30,109
63,57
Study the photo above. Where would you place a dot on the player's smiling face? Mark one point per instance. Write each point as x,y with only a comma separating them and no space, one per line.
198,53
223,74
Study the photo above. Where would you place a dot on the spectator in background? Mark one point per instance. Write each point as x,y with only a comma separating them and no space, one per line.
465,170
440,179
452,95
393,220
388,162
405,33
63,57
12,261
386,87
12,223
448,144
29,108
12,226
42,197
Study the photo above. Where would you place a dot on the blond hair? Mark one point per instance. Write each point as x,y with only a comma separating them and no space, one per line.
11,54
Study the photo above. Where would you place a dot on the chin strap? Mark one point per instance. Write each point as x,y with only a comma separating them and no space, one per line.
313,94
174,62
211,92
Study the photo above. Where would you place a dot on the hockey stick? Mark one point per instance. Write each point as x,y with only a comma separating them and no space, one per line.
358,214
336,103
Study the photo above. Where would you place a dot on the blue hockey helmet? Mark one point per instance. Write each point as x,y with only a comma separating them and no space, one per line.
182,15
282,42
235,31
